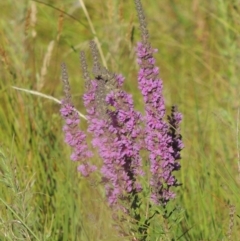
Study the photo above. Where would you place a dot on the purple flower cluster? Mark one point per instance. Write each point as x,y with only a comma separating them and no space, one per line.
74,137
115,135
161,141
119,132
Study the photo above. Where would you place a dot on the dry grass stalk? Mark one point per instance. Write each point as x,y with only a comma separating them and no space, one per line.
60,25
32,92
4,57
82,4
27,21
46,63
238,152
232,210
33,18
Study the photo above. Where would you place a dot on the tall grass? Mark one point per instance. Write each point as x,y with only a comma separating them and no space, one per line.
42,196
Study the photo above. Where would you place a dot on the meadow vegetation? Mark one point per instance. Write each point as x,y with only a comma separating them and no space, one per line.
42,196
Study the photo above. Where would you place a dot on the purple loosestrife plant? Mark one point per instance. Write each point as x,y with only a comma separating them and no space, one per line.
161,141
120,133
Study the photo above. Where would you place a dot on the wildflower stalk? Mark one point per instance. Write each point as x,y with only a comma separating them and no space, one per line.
114,125
160,139
73,135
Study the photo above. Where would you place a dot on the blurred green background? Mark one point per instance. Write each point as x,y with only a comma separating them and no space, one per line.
42,195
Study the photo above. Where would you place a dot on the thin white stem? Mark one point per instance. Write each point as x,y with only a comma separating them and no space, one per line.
33,92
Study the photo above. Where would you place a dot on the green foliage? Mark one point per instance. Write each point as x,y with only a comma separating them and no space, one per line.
42,196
